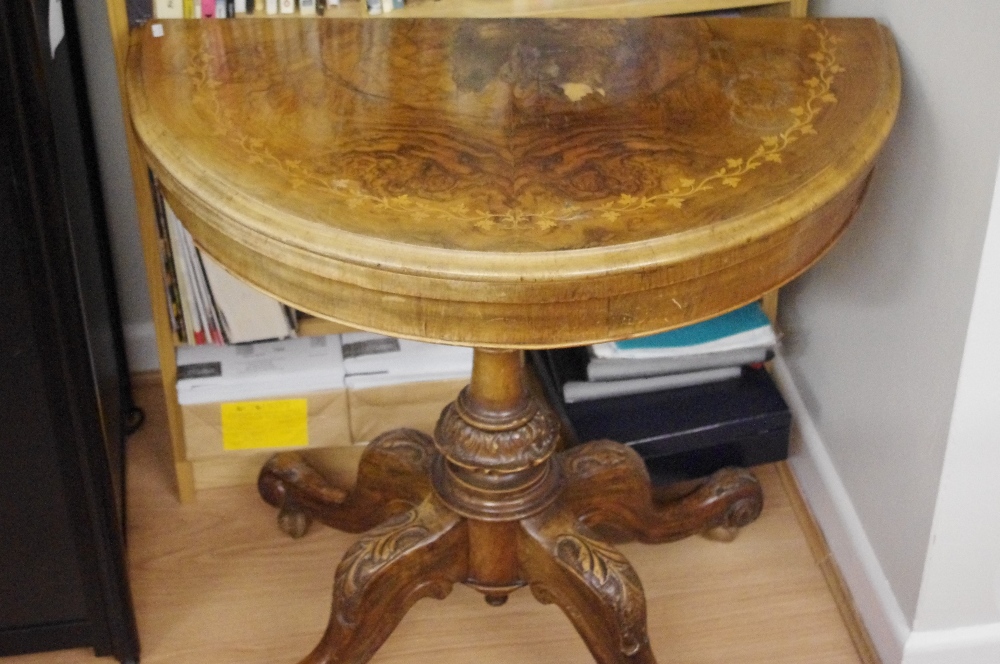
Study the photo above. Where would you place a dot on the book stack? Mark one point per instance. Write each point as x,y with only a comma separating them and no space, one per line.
376,7
165,9
689,401
706,352
258,370
373,360
207,304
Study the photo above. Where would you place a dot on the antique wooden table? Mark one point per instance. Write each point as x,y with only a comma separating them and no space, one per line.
510,184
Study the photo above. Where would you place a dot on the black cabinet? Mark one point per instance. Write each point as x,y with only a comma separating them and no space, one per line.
64,393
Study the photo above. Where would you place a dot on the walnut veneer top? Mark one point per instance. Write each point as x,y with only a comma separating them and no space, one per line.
518,182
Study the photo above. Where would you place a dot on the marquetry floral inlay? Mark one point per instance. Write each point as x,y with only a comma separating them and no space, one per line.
816,93
770,148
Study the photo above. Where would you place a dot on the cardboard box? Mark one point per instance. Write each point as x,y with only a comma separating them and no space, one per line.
393,383
339,465
246,428
417,405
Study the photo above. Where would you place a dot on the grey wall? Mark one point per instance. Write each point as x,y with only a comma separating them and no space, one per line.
875,332
116,181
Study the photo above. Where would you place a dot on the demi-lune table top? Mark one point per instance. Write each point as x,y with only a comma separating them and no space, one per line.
514,182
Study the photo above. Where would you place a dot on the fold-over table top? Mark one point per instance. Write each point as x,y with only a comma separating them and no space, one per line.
514,182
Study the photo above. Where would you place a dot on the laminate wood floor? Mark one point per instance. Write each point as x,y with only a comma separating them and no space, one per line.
216,583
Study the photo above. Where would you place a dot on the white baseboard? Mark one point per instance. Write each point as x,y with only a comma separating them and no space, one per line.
963,645
834,512
140,347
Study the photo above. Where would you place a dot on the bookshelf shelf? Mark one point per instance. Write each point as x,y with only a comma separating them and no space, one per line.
554,8
189,478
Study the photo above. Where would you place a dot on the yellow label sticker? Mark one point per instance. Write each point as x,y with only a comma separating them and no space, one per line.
253,425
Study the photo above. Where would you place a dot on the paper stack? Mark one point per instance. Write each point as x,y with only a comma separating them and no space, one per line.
207,304
373,360
246,313
207,374
705,352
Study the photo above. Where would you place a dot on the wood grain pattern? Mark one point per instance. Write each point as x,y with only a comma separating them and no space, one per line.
416,554
591,582
849,612
216,582
393,477
517,515
184,470
222,472
608,489
480,181
559,8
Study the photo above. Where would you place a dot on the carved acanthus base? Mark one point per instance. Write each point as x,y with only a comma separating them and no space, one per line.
393,476
490,505
607,487
415,554
422,546
591,582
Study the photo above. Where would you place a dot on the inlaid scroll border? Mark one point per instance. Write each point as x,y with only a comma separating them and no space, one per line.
351,194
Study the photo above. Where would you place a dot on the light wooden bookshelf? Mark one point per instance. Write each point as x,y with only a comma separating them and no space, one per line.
191,476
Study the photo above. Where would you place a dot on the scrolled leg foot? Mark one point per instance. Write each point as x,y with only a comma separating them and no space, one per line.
733,496
591,582
294,523
418,553
393,476
608,488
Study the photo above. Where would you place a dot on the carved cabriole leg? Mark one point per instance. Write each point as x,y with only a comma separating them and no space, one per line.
608,488
591,582
419,553
393,476
490,504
